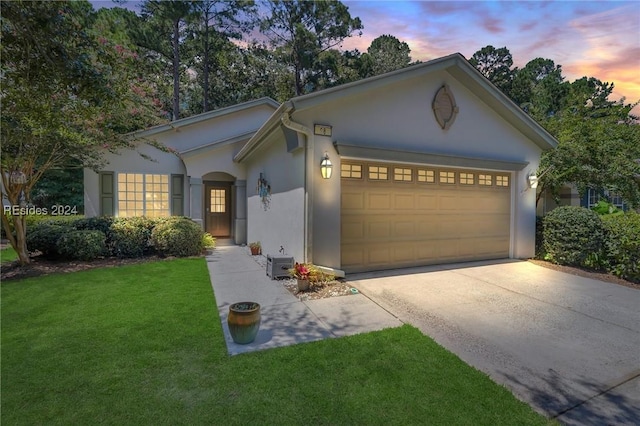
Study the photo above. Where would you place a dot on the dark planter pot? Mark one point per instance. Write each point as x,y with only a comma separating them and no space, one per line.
244,321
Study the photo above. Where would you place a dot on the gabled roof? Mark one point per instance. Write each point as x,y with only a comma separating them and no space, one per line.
194,119
456,65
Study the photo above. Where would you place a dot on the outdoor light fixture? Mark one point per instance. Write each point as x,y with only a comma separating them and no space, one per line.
326,166
533,181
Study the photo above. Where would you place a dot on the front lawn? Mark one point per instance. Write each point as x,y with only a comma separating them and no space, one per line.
143,345
8,255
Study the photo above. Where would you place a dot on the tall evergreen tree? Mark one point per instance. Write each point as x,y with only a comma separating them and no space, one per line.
303,30
166,22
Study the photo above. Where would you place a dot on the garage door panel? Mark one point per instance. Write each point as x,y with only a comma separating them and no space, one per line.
379,254
399,224
378,229
379,201
404,229
404,202
404,253
352,200
353,230
426,202
353,255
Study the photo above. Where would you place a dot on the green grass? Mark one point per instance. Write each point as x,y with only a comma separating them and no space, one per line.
143,345
8,255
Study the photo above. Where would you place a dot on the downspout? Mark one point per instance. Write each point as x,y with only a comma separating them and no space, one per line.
308,179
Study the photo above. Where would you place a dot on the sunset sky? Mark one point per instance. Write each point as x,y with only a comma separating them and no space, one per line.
588,38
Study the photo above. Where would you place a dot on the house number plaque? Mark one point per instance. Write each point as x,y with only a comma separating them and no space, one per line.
322,130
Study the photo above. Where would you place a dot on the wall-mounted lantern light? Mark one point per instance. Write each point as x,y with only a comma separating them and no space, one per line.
533,181
326,166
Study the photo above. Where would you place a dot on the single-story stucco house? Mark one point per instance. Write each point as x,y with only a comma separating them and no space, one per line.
430,164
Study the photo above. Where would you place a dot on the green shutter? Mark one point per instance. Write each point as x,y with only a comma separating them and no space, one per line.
107,199
177,195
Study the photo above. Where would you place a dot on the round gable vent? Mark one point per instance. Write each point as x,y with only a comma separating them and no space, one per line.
444,107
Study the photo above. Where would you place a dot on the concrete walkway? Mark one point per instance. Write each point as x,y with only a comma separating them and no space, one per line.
237,277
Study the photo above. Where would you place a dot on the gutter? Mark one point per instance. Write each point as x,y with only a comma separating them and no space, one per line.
286,121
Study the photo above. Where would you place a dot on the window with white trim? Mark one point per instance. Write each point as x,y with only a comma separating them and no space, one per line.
402,174
484,180
447,177
610,197
353,171
143,195
466,178
378,173
502,180
427,176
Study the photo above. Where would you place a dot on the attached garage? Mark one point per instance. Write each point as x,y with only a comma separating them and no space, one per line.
430,164
400,215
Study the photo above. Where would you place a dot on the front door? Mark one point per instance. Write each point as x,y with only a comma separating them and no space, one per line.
218,208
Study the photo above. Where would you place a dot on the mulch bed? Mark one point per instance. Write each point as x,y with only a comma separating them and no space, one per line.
602,276
41,266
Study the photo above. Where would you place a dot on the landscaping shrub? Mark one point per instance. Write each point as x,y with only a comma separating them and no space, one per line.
34,219
83,245
573,236
177,236
208,241
102,224
622,245
130,237
44,237
540,253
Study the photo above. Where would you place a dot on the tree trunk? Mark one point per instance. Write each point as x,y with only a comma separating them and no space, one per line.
19,241
205,71
176,69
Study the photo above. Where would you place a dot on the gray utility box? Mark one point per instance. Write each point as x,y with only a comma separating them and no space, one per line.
278,267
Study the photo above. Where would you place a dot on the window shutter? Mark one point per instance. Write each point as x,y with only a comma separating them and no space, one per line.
177,195
107,200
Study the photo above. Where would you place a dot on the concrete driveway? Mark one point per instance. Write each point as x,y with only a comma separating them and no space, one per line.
569,346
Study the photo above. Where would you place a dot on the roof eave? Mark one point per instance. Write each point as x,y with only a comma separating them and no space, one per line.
263,132
194,119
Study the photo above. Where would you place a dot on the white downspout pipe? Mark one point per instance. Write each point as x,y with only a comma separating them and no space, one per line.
308,180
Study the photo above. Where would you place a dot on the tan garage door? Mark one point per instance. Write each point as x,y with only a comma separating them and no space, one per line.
398,216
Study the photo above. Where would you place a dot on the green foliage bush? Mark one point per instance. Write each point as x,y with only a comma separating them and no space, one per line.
130,237
44,237
177,236
622,245
573,236
34,219
540,253
208,241
102,224
83,245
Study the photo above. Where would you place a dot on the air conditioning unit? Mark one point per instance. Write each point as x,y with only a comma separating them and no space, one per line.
278,267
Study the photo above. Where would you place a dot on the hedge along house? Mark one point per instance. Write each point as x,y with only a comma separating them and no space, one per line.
430,164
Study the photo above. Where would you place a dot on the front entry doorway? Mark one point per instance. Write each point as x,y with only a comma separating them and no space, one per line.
218,208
